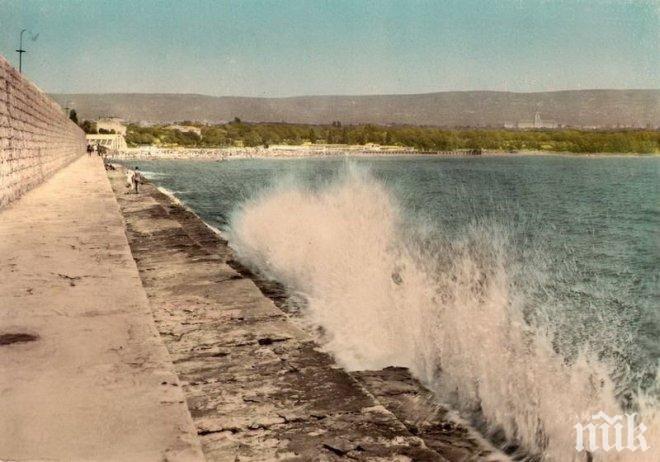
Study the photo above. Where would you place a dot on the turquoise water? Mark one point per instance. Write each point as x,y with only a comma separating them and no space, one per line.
560,250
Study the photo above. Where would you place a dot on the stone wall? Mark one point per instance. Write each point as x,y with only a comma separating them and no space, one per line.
36,137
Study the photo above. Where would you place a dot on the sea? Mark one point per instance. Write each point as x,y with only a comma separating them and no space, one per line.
521,290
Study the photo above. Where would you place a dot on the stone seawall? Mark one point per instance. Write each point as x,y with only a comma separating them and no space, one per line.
36,137
257,384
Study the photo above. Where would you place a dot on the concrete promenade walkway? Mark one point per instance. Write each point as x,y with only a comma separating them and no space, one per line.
83,372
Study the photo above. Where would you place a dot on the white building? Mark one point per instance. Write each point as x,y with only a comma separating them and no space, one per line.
537,123
186,129
112,142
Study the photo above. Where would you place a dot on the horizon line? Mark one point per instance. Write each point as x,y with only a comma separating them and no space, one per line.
350,95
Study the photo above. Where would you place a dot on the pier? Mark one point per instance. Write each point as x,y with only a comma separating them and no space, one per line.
128,331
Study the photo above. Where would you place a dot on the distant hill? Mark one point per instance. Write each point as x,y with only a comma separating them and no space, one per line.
447,109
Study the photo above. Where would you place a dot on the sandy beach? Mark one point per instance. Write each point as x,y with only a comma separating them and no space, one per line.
221,154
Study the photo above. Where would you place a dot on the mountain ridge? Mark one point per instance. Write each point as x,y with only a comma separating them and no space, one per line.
480,108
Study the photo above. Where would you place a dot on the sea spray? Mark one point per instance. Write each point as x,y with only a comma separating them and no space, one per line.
469,313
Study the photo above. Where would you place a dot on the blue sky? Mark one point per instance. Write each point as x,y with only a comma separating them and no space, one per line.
284,48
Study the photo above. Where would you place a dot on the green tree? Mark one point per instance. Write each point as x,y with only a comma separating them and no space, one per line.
89,127
312,135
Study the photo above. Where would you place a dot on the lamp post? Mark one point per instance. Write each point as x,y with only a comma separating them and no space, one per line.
20,50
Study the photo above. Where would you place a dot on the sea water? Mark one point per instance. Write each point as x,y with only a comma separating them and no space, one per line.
521,290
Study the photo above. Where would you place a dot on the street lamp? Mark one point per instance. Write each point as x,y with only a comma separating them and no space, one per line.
20,50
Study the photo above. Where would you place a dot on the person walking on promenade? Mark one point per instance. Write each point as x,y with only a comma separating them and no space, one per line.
136,179
89,150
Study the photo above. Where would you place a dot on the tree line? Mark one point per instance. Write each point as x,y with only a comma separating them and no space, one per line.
239,133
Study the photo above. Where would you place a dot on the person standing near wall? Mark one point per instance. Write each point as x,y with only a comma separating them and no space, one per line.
129,179
136,179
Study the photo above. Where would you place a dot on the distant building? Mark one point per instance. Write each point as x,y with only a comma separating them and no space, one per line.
536,123
112,123
113,142
186,129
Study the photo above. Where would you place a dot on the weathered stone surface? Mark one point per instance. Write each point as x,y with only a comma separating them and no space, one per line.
257,386
420,412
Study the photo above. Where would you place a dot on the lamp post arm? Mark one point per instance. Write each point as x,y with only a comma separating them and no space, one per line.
21,51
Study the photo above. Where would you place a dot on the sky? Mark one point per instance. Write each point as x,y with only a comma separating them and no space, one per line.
313,47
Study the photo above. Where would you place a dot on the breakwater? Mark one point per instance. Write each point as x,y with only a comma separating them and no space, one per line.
399,261
257,385
36,136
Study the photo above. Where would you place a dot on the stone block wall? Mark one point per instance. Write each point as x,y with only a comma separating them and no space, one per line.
36,137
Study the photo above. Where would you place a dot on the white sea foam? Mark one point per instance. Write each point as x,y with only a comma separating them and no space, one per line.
460,312
171,194
149,175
